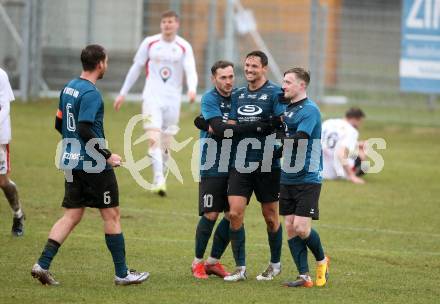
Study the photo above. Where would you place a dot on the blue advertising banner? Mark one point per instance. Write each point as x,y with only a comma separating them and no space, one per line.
420,49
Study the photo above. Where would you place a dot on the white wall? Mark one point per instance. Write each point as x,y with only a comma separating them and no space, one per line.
117,24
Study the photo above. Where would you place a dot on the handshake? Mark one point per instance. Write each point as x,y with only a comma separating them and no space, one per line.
262,127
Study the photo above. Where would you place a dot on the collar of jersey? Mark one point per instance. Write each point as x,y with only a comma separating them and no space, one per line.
80,78
227,98
249,90
298,103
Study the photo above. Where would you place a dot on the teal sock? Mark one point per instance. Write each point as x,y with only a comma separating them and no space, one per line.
203,233
49,252
298,249
116,245
275,244
315,246
238,242
221,239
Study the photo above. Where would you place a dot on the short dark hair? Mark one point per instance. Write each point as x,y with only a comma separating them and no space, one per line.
354,112
300,74
91,55
169,14
220,64
263,57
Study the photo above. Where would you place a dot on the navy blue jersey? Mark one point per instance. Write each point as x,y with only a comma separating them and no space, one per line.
304,166
214,160
250,106
80,101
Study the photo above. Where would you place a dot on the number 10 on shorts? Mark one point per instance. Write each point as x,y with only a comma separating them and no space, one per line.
207,200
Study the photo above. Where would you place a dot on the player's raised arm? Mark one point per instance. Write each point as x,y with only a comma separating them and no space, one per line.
4,110
139,61
189,65
6,96
59,121
59,117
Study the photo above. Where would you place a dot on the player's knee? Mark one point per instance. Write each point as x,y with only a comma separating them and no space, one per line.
3,181
111,215
212,216
301,230
166,142
73,219
114,217
153,138
152,143
270,210
288,224
290,231
272,223
236,216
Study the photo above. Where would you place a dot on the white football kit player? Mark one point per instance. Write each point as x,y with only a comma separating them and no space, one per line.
8,186
337,133
6,97
164,63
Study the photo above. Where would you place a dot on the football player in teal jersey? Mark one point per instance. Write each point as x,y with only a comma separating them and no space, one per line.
301,177
214,168
254,168
90,179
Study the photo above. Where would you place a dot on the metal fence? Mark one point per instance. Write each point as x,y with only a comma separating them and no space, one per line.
351,47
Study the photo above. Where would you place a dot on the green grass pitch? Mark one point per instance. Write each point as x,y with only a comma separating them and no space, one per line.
383,238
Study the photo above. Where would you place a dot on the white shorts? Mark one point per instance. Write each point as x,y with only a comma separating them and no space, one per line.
5,162
164,117
332,169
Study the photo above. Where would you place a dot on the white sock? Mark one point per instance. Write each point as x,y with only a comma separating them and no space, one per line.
322,262
196,261
18,213
165,157
212,261
156,160
242,268
305,276
276,265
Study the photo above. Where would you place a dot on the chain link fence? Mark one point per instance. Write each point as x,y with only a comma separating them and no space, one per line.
351,47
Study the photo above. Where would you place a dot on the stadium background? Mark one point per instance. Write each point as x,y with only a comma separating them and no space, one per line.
383,237
352,47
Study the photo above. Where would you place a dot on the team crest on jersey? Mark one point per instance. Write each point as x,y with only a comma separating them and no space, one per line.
263,97
249,110
241,96
165,73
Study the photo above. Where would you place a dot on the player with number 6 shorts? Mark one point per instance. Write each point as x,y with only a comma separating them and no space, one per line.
88,167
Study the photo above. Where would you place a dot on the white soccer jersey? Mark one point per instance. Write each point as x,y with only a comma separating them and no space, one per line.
6,96
165,63
337,133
